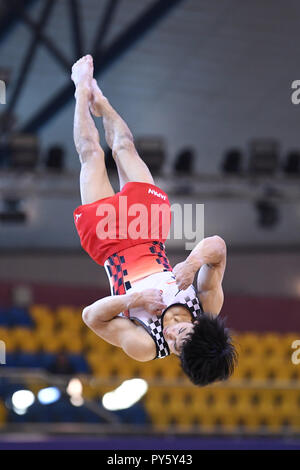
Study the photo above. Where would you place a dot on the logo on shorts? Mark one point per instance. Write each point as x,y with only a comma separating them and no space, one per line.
77,216
152,191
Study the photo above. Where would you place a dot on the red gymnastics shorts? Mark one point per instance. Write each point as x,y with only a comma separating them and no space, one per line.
138,214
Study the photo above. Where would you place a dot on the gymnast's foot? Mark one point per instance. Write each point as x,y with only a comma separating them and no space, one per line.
98,100
82,73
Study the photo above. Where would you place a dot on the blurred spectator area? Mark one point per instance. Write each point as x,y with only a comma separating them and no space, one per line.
262,396
244,312
21,152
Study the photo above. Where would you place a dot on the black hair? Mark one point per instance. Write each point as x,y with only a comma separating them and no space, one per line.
208,354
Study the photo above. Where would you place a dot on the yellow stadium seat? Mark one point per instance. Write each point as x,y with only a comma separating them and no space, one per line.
160,419
25,339
143,370
3,414
173,397
30,343
291,372
157,396
75,346
254,369
67,318
171,368
104,349
64,311
287,341
157,403
249,368
185,408
241,398
284,408
151,397
244,412
8,337
69,340
106,371
101,390
106,368
159,369
53,345
197,407
276,370
89,391
272,348
122,368
133,369
215,407
89,338
250,344
208,409
257,408
43,316
92,342
271,409
93,360
48,341
229,407
77,322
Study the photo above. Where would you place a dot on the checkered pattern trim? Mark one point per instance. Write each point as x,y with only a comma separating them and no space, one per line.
155,326
194,306
117,273
158,249
116,268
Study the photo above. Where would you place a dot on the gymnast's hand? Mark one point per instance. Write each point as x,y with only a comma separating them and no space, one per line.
149,299
184,275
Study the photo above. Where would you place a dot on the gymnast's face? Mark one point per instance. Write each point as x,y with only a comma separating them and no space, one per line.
175,335
177,326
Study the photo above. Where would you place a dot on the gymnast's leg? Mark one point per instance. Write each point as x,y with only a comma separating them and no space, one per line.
119,138
94,181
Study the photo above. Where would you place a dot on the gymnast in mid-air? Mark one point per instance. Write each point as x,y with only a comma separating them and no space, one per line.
154,310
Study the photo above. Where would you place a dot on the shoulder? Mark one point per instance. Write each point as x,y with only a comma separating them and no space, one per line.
137,343
132,338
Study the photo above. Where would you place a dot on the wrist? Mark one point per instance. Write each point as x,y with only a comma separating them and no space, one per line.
133,300
192,264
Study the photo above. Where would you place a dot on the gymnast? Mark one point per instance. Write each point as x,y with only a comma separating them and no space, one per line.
154,310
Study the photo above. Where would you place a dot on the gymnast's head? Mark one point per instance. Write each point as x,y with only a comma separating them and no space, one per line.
204,346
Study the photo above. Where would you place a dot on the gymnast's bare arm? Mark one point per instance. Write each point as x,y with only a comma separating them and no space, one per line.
101,317
209,257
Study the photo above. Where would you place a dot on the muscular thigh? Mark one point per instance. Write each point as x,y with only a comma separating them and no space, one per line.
130,166
94,181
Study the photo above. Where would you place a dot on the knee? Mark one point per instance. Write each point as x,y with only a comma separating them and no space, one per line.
123,143
90,152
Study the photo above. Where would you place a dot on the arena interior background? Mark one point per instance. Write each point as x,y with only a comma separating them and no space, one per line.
206,88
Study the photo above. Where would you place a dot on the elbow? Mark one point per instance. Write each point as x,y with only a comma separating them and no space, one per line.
91,316
86,315
219,242
219,246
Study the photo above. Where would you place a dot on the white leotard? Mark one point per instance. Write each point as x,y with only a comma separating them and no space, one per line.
153,324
